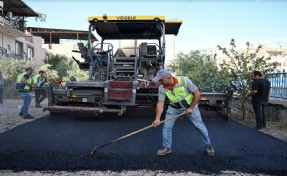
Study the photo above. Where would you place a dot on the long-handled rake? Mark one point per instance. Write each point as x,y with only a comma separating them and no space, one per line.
135,132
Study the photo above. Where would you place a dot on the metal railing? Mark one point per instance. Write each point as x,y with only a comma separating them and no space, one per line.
278,85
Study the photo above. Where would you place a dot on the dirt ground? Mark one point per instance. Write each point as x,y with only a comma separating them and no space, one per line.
273,128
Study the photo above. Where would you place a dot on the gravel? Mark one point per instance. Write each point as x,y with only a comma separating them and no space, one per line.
9,114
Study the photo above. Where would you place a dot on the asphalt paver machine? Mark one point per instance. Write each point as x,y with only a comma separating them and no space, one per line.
117,79
120,79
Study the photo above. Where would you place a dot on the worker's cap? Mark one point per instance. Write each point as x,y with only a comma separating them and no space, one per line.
161,74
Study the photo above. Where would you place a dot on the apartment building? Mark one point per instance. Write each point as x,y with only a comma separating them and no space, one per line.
277,54
15,43
60,41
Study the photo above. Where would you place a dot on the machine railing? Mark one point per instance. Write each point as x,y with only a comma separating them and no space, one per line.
278,85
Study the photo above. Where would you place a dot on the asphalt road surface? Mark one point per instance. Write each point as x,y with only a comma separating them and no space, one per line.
64,143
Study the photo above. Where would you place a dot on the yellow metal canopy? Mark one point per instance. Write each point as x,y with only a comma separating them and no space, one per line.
133,27
125,18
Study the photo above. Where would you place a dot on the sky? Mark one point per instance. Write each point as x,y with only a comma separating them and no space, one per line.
206,23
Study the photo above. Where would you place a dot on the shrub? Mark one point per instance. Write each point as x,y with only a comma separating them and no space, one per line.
10,69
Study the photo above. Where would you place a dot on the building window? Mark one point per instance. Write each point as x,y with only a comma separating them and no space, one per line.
19,49
30,52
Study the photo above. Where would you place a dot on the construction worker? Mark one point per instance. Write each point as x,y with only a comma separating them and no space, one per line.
72,78
260,96
24,86
79,78
91,44
40,92
183,96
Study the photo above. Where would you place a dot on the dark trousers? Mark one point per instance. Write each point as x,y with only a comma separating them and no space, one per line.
259,110
1,95
40,95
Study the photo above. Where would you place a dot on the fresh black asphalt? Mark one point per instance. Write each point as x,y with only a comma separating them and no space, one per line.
65,142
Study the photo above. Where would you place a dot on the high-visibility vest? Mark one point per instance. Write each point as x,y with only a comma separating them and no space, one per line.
20,86
86,44
180,98
36,79
79,79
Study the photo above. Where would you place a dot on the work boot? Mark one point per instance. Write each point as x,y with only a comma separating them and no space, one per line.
163,151
209,151
28,117
21,114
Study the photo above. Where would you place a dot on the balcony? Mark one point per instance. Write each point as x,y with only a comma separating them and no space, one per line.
12,17
4,52
11,27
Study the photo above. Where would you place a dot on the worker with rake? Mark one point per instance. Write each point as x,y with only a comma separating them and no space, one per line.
183,96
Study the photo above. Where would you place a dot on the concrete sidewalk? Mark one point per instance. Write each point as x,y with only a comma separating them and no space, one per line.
18,102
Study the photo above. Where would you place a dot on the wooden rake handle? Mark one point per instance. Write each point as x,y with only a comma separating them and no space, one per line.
133,133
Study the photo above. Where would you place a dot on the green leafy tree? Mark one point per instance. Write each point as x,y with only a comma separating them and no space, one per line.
41,17
61,64
53,61
65,67
20,21
239,66
201,69
10,69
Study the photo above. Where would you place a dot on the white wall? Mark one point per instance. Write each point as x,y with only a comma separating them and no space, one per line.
7,40
61,49
36,44
39,52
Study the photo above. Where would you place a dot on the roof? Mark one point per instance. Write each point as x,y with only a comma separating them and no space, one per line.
59,33
125,18
172,26
133,27
19,8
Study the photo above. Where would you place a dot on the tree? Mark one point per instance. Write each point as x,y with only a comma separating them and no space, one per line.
241,64
201,69
20,21
41,17
10,69
60,63
65,67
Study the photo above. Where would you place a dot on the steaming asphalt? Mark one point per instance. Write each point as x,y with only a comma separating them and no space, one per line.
64,143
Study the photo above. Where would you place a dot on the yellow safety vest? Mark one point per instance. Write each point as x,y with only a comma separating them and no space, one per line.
36,79
86,45
20,86
180,98
79,79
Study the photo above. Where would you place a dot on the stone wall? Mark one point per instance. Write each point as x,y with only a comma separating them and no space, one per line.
276,112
